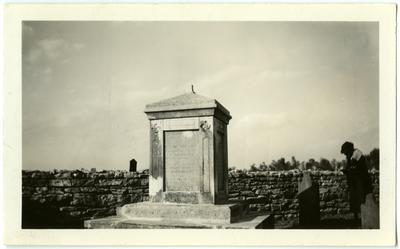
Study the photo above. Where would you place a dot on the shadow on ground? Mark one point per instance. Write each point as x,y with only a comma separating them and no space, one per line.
39,216
333,223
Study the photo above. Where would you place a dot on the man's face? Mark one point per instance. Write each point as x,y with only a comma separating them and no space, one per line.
348,153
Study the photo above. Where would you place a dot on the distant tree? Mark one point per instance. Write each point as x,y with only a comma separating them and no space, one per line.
334,164
263,166
374,159
342,164
302,165
311,164
294,163
324,164
281,164
253,167
272,166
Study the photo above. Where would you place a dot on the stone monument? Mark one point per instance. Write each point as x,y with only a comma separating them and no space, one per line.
188,175
189,159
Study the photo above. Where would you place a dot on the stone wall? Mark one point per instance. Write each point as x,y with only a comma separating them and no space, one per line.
276,192
66,198
63,199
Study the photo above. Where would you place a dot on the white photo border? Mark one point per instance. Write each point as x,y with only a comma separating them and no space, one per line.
14,14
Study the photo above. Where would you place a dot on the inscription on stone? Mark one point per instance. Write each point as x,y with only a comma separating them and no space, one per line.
181,124
182,161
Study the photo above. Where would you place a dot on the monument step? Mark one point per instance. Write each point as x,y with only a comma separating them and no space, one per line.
115,222
196,213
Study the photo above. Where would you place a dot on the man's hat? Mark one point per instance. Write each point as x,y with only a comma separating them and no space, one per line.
347,146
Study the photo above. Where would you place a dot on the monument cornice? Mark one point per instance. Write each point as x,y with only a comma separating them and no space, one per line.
217,113
187,105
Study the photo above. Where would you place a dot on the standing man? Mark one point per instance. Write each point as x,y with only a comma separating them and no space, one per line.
358,180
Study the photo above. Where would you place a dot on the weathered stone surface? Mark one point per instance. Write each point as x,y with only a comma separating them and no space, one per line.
206,213
188,101
369,213
188,150
60,182
182,161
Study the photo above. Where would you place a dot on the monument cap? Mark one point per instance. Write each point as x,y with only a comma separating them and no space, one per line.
188,102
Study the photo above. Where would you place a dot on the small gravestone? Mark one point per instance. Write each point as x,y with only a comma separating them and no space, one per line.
369,213
308,195
132,165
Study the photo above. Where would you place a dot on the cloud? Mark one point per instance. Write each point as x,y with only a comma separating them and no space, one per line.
27,30
47,74
51,49
253,138
39,58
47,71
78,45
219,77
33,55
261,121
144,96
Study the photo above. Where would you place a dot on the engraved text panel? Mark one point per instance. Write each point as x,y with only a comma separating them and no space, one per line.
182,161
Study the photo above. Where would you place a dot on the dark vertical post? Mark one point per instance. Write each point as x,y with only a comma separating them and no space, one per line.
132,165
308,194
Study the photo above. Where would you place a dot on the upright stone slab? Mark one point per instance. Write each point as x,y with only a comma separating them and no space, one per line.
189,161
132,165
369,213
308,194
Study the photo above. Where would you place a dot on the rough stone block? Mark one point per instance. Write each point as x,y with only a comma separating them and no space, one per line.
60,183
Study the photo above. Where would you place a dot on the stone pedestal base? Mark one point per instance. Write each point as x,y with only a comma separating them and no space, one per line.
115,222
161,215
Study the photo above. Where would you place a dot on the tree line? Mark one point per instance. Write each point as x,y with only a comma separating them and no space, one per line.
372,160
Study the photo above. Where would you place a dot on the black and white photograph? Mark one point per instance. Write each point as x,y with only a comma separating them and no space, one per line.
202,124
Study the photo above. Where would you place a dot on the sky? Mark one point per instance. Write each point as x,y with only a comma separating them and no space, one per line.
293,88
